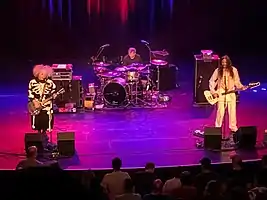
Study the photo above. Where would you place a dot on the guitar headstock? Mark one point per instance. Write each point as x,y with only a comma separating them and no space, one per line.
254,84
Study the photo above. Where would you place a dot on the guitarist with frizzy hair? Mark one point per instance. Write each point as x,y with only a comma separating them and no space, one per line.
226,78
40,88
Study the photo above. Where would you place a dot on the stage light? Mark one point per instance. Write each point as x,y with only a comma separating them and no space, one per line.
255,90
264,89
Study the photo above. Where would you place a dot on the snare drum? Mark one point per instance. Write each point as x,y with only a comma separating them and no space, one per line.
115,92
132,76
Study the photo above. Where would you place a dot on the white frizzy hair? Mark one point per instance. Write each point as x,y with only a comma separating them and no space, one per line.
42,68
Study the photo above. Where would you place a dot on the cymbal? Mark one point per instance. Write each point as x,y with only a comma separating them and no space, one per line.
101,64
121,69
161,53
100,69
141,67
158,62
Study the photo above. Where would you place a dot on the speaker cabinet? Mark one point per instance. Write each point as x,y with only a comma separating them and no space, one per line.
66,143
247,137
212,138
168,77
73,92
34,139
203,71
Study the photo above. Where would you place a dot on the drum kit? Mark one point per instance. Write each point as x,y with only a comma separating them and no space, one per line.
125,86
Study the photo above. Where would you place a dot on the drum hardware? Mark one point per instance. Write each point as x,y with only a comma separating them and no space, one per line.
99,51
158,64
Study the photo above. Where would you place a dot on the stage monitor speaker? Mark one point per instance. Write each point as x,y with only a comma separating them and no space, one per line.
34,139
66,143
203,72
212,138
247,137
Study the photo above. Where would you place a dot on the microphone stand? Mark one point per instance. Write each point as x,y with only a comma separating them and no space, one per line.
150,59
100,50
225,105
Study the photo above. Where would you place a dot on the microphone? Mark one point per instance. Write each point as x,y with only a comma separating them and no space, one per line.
105,45
145,42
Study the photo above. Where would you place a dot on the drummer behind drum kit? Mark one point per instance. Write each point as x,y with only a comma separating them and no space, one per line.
128,86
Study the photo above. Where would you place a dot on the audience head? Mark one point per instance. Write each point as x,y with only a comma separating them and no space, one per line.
205,163
157,186
128,185
186,178
213,188
116,164
236,160
32,152
150,167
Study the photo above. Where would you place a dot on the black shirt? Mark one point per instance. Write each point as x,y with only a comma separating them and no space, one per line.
128,61
202,179
143,182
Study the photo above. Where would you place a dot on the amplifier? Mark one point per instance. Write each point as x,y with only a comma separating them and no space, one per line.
73,93
204,69
168,76
62,72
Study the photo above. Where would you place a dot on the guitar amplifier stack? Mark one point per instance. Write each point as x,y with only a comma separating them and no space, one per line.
204,68
72,99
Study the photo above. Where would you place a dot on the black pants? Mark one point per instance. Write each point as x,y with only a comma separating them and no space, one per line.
42,121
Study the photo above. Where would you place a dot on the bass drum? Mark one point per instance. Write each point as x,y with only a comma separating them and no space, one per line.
115,92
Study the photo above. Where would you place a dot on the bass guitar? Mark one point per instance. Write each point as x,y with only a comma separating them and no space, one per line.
35,111
213,100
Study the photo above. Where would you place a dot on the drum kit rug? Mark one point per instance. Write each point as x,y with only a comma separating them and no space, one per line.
128,86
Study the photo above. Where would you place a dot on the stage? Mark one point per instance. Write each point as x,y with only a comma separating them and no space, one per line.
163,136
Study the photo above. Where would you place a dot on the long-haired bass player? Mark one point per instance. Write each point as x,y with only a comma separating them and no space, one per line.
226,78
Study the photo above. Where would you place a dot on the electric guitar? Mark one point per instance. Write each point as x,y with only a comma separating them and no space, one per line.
213,100
35,111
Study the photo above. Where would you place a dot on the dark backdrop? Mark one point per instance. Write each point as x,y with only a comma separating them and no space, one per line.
51,31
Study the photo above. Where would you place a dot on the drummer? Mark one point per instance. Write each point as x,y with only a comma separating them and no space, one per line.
132,57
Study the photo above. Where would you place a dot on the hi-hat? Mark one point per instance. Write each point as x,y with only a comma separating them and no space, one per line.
158,62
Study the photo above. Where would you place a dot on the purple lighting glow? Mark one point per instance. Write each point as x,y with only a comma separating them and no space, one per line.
51,8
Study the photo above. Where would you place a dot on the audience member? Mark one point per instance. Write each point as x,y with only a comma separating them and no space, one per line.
156,193
31,160
239,193
143,180
261,177
129,192
173,183
205,176
187,191
238,176
113,183
213,191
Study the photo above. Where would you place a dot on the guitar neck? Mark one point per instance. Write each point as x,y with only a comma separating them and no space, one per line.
48,99
229,92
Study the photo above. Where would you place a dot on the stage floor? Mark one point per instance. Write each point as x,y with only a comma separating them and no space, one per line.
163,136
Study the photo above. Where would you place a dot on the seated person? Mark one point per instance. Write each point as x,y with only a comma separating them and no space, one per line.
132,57
31,160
